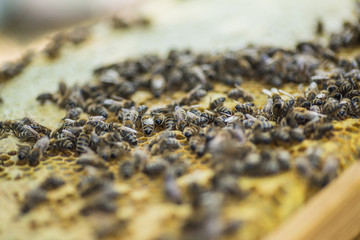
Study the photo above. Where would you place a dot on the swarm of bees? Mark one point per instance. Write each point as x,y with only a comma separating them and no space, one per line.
105,126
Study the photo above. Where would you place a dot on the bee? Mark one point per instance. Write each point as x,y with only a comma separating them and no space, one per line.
170,143
345,87
97,110
283,158
236,93
278,103
243,108
104,151
63,143
190,131
312,91
218,102
119,149
159,119
52,183
42,98
20,130
52,49
259,137
267,108
38,150
83,141
36,126
194,95
297,134
142,109
129,135
147,124
197,144
258,124
157,85
23,152
281,135
140,157
169,121
355,106
223,111
127,169
221,121
89,158
155,168
331,106
171,189
179,114
130,117
333,89
210,116
352,93
100,204
33,199
74,113
303,167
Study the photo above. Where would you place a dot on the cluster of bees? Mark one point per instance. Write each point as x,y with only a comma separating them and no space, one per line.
104,125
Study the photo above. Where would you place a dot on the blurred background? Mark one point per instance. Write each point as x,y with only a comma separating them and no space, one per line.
189,23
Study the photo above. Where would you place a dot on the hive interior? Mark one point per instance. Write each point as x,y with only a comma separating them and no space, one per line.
141,203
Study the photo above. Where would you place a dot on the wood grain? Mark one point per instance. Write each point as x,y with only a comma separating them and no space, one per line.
333,214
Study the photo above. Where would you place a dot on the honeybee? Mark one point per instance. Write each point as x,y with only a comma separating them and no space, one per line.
223,111
171,189
159,119
210,116
197,144
130,117
129,135
311,91
23,152
179,114
104,151
74,113
345,87
38,150
126,169
33,198
42,98
97,110
142,109
52,183
36,126
155,167
218,102
190,131
169,121
147,124
20,130
157,85
236,93
243,108
194,95
62,143
119,149
278,103
89,158
83,140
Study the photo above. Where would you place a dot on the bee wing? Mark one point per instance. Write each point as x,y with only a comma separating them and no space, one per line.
239,102
30,129
67,132
267,92
231,119
287,94
128,129
96,118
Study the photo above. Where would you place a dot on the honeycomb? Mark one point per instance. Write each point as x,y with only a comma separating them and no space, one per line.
139,208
